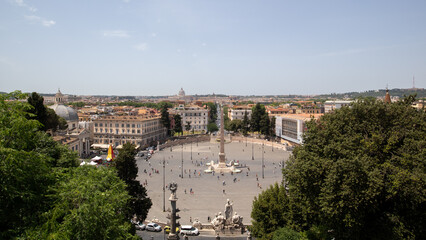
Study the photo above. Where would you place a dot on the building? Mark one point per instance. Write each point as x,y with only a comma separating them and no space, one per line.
237,112
67,113
197,116
76,138
290,127
118,130
330,106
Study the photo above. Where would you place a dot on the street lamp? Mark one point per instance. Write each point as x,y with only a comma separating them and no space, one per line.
182,162
164,184
263,165
252,149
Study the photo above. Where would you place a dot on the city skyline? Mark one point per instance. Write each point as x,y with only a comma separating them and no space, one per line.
153,48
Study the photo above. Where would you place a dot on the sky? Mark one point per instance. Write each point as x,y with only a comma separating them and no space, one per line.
235,47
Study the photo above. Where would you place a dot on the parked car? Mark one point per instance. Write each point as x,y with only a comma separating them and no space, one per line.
140,226
168,228
189,230
153,227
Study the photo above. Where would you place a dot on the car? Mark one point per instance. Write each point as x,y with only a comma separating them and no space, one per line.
168,228
189,230
153,227
140,226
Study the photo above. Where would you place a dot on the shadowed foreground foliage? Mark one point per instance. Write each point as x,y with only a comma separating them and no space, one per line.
360,174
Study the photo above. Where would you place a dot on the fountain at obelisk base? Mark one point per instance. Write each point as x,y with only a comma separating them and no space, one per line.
222,167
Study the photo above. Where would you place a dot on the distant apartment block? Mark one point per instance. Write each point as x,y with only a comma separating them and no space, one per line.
118,130
197,116
237,112
330,106
291,127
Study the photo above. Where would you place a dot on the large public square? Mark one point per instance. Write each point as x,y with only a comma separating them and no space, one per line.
210,191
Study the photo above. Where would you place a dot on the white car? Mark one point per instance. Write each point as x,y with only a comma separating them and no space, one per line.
140,226
189,230
153,227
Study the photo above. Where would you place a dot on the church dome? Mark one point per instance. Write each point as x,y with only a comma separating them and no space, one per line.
182,93
67,113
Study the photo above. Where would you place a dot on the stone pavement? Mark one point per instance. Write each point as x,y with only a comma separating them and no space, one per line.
209,191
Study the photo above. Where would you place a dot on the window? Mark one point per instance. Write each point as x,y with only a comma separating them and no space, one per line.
122,125
96,124
117,125
133,131
100,125
127,125
133,125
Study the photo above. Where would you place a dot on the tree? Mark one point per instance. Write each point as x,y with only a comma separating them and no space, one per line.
272,127
188,126
257,112
235,125
269,212
212,112
361,172
88,204
245,124
212,127
127,170
178,124
30,163
165,119
39,112
287,234
265,125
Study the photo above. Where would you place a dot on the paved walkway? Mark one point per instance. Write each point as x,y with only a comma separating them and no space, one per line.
210,192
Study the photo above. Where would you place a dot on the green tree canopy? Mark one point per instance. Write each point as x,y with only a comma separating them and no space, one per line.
212,127
46,116
178,124
30,163
257,114
245,124
127,170
212,112
361,172
269,212
88,204
165,118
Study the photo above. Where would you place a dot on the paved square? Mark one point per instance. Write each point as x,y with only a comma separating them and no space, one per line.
209,191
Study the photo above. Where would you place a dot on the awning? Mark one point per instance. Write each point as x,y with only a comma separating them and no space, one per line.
100,146
121,147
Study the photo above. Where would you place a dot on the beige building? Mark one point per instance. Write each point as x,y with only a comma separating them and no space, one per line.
197,116
237,112
118,130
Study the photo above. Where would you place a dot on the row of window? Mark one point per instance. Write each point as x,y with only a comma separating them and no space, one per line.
117,131
127,125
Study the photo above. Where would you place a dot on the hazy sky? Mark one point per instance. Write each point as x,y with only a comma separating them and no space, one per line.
240,47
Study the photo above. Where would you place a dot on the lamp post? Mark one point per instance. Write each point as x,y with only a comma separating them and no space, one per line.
182,161
252,149
164,184
263,165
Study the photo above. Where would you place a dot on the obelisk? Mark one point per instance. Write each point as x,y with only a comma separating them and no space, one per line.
222,163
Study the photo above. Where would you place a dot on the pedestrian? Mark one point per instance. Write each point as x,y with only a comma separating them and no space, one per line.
223,191
190,219
185,190
208,218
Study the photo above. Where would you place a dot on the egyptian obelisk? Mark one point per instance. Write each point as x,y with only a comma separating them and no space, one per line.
222,163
